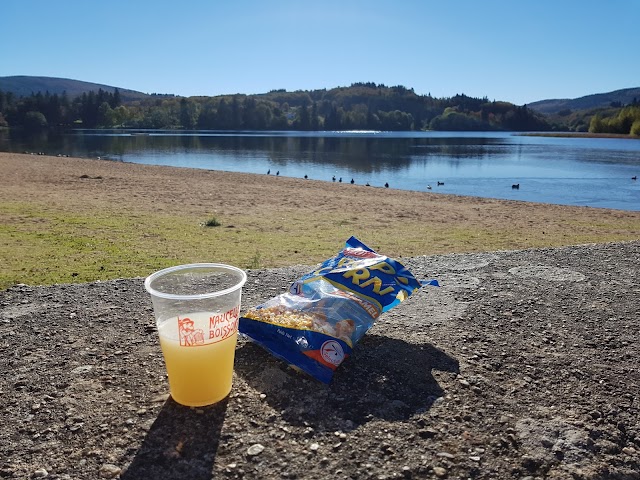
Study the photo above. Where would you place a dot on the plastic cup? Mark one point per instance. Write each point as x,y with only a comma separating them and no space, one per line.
197,309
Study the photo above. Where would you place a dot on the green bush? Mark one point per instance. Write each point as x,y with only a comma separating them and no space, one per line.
212,222
34,121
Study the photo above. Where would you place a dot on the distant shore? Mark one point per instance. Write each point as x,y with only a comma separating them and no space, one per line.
578,135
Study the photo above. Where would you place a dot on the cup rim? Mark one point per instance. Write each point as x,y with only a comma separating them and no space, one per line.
174,296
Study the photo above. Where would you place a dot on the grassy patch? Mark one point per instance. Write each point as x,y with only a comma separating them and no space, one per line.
46,244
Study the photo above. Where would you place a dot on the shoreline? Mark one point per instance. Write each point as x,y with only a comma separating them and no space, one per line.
143,168
472,198
578,135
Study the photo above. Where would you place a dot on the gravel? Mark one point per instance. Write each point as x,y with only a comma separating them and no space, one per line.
523,364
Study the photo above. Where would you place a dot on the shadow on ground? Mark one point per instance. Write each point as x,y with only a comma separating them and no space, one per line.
182,443
385,378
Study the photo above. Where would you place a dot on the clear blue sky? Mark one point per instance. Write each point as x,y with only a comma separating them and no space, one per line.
518,51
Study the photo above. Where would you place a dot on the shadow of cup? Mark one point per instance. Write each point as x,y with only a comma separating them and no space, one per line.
182,443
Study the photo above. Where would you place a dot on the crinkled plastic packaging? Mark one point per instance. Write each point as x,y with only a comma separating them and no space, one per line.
315,325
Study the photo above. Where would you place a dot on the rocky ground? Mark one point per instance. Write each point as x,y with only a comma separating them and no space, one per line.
523,364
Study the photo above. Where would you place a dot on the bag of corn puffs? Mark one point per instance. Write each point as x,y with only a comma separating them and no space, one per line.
317,323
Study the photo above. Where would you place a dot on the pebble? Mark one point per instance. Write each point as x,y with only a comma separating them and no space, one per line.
547,442
445,455
399,404
41,473
108,470
314,447
255,449
440,471
160,398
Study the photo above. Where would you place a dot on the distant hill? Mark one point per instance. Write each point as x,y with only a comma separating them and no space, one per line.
360,106
598,100
23,86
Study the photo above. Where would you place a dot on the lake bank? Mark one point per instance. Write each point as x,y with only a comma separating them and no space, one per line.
72,220
579,135
578,171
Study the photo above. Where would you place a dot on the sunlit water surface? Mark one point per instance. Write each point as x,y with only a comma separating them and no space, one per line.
595,172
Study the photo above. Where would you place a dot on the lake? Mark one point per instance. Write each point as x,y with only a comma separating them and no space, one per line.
595,172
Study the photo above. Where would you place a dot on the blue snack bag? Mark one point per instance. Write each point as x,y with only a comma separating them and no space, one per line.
315,325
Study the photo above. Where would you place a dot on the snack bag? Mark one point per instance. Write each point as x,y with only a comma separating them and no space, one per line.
315,326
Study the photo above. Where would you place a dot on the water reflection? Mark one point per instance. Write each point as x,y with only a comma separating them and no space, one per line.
362,154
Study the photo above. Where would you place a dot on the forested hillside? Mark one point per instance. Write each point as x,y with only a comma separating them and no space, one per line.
45,102
615,118
24,85
358,107
625,121
617,98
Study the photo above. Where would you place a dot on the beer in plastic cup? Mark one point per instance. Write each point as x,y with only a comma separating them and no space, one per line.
197,309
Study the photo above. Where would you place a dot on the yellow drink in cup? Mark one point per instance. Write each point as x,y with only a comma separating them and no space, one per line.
197,309
199,373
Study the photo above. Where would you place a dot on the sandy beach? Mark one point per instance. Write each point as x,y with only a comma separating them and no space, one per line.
400,223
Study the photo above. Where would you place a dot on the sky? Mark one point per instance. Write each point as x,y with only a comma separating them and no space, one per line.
511,50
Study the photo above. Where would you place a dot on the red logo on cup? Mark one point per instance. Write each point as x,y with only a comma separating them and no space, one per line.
189,336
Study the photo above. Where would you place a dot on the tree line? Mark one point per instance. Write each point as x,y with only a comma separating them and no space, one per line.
361,106
42,110
625,121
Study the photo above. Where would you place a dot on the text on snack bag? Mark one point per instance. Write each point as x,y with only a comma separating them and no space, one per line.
363,278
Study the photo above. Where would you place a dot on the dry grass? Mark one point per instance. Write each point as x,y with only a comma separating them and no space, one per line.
73,220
